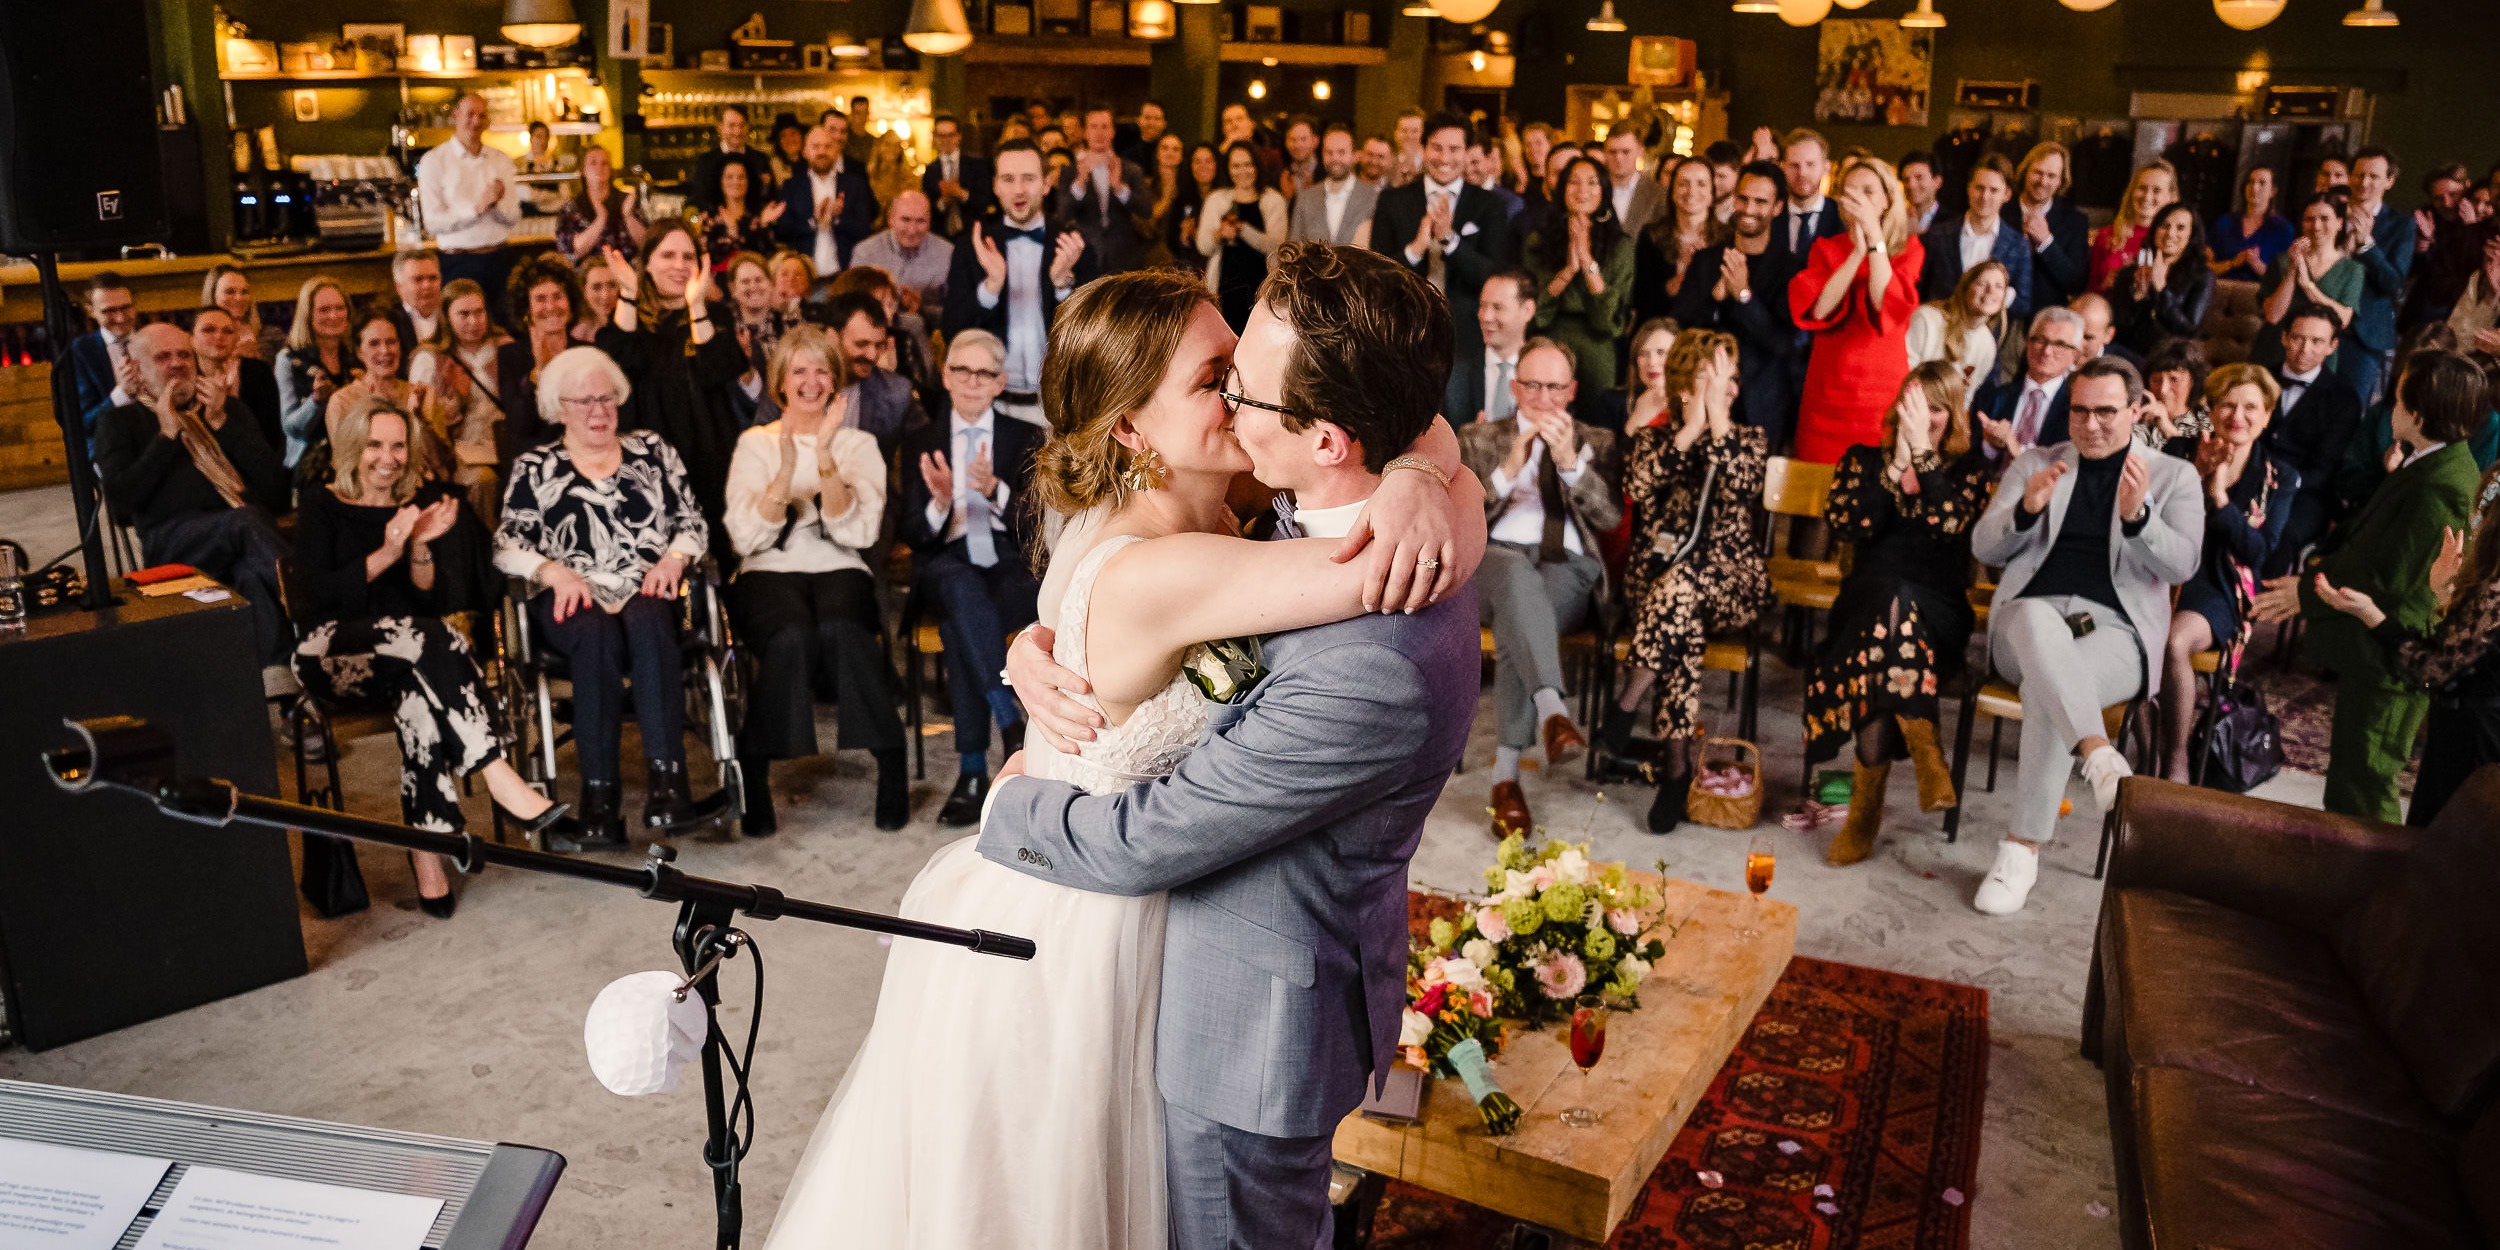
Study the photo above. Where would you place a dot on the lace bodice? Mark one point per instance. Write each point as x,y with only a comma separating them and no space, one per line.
1157,734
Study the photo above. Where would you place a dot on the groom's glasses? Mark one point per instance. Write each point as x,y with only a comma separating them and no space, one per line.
1233,399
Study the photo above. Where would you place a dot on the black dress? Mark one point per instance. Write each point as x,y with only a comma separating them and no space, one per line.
1903,616
2239,540
681,393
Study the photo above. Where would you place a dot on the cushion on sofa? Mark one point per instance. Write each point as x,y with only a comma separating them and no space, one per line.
2231,1165
2420,947
2225,993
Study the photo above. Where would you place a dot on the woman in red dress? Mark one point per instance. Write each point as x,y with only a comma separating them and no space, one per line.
1856,294
2114,246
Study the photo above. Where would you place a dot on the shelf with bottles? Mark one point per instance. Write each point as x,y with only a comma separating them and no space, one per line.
403,75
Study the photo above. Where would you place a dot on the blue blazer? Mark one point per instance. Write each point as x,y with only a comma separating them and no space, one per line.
1998,401
797,228
1944,262
2385,264
91,379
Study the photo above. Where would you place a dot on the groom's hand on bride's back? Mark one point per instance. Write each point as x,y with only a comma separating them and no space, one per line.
1044,687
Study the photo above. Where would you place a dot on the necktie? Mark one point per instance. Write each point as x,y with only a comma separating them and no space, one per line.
978,543
1796,222
1436,267
1499,403
2027,424
1549,492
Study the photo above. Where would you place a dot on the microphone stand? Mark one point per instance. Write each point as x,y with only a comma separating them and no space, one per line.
127,754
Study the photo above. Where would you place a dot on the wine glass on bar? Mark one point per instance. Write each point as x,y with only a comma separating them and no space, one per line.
1588,1043
1760,858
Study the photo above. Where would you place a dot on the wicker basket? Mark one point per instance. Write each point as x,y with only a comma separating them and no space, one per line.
1741,812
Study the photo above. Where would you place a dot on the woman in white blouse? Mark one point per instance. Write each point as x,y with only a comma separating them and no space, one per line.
1965,328
1240,224
458,366
806,498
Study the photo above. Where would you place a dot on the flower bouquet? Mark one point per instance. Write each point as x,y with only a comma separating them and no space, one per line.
1449,1030
1556,929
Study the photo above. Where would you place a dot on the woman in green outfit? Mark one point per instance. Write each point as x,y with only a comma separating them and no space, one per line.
2386,551
2319,272
1580,271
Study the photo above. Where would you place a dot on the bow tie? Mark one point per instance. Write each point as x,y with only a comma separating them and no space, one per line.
1005,233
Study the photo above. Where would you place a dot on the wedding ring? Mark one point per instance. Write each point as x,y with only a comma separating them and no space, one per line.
1427,564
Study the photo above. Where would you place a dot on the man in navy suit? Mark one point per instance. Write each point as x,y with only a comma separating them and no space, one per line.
956,182
2030,411
2059,234
1963,241
1453,232
1805,164
103,376
2315,419
1741,286
2382,243
1011,273
826,208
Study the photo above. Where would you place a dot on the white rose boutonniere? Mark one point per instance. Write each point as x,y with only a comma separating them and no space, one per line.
1226,669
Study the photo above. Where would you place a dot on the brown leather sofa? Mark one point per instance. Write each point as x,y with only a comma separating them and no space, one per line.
2299,1017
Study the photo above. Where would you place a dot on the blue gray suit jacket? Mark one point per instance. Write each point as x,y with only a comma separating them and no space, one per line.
1283,839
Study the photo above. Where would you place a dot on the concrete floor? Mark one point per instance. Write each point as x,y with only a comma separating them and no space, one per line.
472,1027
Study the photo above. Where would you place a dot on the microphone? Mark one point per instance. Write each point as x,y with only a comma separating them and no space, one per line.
641,1029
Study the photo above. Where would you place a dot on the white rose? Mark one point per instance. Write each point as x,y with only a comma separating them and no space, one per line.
1632,968
1517,884
1462,973
1571,867
1414,1028
1478,952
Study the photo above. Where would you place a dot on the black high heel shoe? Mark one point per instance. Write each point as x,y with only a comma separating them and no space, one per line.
557,820
440,907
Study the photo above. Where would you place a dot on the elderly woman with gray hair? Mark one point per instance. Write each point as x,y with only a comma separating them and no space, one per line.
603,526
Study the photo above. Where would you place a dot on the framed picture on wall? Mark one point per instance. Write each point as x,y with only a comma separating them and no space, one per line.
629,29
1011,19
380,40
819,56
1264,23
1660,61
1062,17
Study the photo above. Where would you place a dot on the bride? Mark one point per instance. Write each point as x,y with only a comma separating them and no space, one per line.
1000,1104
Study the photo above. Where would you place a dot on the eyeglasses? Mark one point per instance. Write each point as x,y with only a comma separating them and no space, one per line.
2096,413
589,403
1234,399
970,374
1554,389
2060,344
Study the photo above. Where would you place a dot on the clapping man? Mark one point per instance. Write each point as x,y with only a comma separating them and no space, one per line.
1741,286
471,196
2381,240
1551,488
1337,209
827,208
2033,410
1638,199
956,182
1011,274
732,123
1100,193
1455,234
416,299
2315,418
2058,232
103,373
1480,383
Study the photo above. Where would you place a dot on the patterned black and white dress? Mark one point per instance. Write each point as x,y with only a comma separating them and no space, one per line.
1719,582
610,530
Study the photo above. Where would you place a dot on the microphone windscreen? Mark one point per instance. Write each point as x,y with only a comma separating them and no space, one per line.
639,1033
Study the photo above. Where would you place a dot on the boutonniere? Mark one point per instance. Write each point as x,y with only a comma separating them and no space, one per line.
1224,670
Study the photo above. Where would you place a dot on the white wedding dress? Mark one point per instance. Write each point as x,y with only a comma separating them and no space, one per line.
999,1104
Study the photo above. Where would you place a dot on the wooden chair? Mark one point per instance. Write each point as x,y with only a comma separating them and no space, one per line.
1999,701
1797,491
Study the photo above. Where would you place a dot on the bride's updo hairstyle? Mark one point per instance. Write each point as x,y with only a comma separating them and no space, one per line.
1106,355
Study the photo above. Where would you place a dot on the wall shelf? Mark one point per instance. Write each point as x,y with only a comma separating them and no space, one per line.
1058,50
402,75
1303,54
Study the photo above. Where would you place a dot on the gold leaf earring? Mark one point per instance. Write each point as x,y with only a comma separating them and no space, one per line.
1144,471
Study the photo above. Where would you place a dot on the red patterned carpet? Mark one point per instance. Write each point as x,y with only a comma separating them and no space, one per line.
1876,1079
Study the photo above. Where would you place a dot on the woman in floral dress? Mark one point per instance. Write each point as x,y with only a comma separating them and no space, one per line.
1695,566
1903,616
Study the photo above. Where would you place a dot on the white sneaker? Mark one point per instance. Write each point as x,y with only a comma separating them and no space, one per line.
2009,883
2103,770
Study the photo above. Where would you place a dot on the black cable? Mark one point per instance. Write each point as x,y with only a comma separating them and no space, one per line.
742,1104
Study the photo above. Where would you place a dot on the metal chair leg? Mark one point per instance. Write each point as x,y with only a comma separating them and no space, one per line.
1961,757
1996,741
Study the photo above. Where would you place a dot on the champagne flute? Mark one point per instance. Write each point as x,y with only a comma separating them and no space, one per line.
1588,1044
1761,857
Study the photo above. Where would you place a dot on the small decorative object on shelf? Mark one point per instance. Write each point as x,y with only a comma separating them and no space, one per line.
1011,19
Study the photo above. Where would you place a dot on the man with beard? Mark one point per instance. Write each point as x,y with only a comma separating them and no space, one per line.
1741,286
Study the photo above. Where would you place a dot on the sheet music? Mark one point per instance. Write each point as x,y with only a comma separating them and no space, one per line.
65,1198
215,1209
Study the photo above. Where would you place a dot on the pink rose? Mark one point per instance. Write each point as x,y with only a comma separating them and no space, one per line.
1489,922
1561,975
1624,920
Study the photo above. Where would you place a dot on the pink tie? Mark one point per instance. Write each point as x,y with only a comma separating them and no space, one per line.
2027,424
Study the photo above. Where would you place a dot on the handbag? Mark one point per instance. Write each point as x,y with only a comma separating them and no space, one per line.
2242,742
333,884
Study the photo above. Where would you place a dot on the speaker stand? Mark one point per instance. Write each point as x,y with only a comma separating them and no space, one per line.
61,323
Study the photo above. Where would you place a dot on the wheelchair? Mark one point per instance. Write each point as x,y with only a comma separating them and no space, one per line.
535,688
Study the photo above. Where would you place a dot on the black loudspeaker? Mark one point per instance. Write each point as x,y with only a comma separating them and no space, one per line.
78,161
112,913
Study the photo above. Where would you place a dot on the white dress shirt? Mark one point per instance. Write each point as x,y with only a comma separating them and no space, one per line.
1498,401
1623,198
2296,385
1334,193
420,324
2419,452
1431,191
1028,331
1803,220
114,350
818,543
948,514
450,182
1977,248
1523,522
1334,522
823,188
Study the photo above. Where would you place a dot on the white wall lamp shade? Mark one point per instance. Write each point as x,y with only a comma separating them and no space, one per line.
1756,6
1924,17
541,23
1804,12
1851,4
2247,14
2371,13
1606,21
937,28
1464,12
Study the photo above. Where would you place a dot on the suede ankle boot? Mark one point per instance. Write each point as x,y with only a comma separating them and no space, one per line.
1856,839
1935,776
1666,812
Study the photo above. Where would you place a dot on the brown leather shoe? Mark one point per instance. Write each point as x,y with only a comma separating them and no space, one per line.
1563,740
1510,810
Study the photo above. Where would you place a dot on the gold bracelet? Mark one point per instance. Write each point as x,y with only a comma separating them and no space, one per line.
1418,463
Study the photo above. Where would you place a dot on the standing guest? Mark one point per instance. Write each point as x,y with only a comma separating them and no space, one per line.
757,320
2475,321
1234,125
1205,172
1680,229
1957,245
2163,295
1551,489
1153,123
2175,376
1103,196
1643,397
961,480
1172,188
200,486
2382,244
1856,295
1409,134
1239,226
1454,234
1727,162
2247,243
1636,198
1480,386
2448,235
471,197
1484,171
1695,480
2334,174
2092,528
102,374
2246,486
540,158
1536,142
416,307
603,525
1302,168
1807,216
1374,160
546,308
1012,278
459,369
788,134
956,182
878,153
1902,620
2032,412
680,362
1580,267
382,556
2387,552
2117,245
806,502
600,215
217,341
226,286
731,150
2318,273
1963,329
1920,186
2058,232
732,228
825,213
909,253
1741,287
1336,209
2316,417
317,361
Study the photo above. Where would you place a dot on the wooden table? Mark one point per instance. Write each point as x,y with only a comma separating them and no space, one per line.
1659,1061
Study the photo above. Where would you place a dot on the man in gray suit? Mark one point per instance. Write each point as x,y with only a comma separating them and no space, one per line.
2093,534
1284,837
1338,208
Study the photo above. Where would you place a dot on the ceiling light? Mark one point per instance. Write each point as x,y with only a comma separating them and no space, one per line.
937,28
1756,6
1258,88
1464,12
2087,6
1804,12
2371,13
541,23
1419,10
1319,89
2247,14
1606,19
1924,17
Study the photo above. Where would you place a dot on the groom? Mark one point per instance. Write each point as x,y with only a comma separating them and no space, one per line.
1284,837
